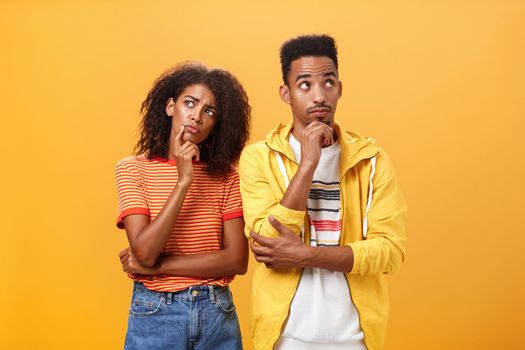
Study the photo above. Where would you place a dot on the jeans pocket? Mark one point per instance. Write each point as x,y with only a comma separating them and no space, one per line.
145,304
225,301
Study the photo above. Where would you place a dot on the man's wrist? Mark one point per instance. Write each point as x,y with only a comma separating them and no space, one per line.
307,167
307,255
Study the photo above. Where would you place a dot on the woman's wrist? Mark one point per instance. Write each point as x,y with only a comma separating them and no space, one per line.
160,266
184,183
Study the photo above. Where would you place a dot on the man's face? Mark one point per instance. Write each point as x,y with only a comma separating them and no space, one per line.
312,92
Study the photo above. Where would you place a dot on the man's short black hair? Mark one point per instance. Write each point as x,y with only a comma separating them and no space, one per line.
304,46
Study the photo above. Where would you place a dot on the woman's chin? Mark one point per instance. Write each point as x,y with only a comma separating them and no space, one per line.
187,137
190,137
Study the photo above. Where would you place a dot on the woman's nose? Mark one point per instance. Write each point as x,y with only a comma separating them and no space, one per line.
196,116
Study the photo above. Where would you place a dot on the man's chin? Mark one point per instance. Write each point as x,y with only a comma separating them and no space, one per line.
329,122
326,120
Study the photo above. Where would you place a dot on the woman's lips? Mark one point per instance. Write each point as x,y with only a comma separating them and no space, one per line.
191,129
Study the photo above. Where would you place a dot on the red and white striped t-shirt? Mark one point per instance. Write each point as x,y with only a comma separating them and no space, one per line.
143,187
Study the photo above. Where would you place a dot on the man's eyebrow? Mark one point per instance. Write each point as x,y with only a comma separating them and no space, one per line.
306,75
302,76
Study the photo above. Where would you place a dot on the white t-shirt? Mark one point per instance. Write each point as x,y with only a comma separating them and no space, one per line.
322,314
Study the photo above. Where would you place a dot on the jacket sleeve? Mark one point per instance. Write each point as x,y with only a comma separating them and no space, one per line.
261,195
384,248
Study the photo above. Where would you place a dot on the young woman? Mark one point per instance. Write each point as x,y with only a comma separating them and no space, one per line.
181,208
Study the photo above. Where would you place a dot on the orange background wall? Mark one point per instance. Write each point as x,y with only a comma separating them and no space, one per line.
439,84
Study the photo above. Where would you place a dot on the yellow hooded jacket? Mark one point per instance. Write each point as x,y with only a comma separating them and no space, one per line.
373,214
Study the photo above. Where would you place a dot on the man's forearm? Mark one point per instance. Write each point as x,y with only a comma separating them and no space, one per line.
296,195
330,258
289,251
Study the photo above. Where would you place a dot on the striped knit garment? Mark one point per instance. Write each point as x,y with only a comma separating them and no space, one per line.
143,187
322,314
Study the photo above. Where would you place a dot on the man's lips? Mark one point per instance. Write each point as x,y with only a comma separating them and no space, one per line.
322,111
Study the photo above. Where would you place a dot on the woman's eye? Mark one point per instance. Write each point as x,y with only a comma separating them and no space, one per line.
189,103
304,85
210,112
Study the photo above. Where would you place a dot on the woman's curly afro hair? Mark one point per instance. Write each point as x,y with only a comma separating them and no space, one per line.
222,148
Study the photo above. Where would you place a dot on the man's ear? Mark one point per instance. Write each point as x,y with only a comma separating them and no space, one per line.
340,88
284,92
170,107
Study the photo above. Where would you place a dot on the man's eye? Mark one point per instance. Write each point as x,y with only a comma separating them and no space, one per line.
304,85
189,103
330,83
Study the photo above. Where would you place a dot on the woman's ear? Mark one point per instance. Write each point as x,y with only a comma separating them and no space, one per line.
170,107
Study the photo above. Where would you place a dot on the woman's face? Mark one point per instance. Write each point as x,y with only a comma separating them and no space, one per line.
195,109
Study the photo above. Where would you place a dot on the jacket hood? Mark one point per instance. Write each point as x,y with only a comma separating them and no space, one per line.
354,146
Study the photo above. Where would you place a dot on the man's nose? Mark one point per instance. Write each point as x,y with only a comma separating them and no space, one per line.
318,95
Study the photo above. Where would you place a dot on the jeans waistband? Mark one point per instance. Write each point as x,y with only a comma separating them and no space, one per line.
193,293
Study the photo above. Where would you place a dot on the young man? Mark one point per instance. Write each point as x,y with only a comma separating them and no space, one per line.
325,214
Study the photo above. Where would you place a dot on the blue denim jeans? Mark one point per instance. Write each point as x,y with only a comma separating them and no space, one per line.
198,318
